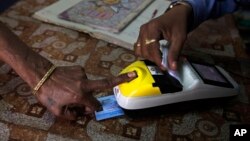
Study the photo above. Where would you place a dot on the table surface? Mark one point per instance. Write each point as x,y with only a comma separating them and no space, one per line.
22,118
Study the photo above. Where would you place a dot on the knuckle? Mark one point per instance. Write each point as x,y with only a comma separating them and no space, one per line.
56,113
143,27
77,99
154,25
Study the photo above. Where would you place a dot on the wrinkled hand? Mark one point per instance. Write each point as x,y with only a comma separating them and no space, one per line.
171,26
68,91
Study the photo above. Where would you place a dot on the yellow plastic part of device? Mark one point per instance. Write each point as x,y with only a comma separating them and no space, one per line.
140,86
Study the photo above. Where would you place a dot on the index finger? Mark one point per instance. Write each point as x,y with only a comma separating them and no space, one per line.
92,85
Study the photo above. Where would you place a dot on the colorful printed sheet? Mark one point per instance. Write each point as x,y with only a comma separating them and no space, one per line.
111,15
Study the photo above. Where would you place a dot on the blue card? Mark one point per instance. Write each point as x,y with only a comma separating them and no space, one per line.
110,108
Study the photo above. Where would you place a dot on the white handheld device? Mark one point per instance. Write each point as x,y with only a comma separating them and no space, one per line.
193,81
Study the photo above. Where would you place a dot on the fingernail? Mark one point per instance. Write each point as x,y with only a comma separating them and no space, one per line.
132,74
174,65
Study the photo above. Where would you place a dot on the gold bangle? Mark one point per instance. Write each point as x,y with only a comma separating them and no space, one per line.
45,77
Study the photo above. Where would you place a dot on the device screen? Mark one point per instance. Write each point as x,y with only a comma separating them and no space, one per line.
211,75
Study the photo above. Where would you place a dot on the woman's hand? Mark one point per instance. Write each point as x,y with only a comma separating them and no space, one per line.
68,92
171,26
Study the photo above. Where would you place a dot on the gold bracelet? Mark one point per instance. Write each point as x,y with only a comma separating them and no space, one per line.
45,77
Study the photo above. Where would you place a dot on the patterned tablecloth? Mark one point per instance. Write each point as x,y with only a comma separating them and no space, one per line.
22,118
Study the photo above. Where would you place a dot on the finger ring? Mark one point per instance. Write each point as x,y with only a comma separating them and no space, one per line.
149,41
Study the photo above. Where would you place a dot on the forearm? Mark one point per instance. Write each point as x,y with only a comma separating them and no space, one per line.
29,65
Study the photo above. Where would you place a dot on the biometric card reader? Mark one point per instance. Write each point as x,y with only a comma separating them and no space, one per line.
193,81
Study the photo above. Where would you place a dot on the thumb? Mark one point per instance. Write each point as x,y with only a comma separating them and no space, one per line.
91,104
